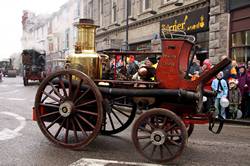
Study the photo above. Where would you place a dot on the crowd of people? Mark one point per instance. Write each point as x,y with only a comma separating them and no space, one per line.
233,84
132,69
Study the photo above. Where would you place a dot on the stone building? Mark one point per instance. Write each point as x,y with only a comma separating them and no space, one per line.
146,19
54,33
221,27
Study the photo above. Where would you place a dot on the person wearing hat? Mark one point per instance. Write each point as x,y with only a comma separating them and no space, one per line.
148,70
234,97
219,85
243,86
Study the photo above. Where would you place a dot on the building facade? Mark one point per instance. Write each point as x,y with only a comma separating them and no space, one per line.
55,33
221,27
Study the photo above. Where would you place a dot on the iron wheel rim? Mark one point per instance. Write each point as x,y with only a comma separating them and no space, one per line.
164,147
74,120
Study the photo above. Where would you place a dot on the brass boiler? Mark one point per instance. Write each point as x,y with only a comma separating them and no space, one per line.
85,58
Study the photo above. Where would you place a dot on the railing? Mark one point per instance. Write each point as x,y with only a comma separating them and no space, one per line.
177,35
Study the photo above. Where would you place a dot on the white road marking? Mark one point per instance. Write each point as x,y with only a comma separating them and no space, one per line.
219,143
99,162
9,92
12,99
6,133
16,99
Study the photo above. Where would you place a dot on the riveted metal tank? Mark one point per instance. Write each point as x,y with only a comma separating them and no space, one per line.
85,57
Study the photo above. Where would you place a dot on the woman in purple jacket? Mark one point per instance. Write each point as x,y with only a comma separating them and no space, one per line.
242,78
248,90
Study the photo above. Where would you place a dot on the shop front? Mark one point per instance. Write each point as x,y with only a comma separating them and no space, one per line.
240,31
194,23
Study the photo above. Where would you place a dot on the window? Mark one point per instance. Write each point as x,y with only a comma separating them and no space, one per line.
114,12
146,4
241,46
101,12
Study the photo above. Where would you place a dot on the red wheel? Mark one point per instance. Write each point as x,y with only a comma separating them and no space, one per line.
159,135
69,108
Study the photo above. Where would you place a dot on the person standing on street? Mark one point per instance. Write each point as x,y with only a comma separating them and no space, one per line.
248,90
242,78
219,85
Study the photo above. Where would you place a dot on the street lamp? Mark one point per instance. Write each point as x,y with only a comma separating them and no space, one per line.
126,40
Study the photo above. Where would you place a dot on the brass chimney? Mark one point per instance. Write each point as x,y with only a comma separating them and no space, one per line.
85,57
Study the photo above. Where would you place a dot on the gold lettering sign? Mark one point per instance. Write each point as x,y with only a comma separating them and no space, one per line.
167,64
193,21
170,56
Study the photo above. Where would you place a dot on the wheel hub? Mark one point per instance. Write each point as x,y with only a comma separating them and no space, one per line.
66,108
158,137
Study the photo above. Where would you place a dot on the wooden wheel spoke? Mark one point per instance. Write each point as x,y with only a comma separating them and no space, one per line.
63,86
87,112
150,124
175,143
111,121
52,123
87,103
161,152
49,105
153,151
79,98
119,98
60,128
144,137
45,97
49,114
52,97
117,117
171,127
67,131
145,130
168,149
79,125
117,109
70,84
77,89
146,145
121,104
56,91
86,121
74,129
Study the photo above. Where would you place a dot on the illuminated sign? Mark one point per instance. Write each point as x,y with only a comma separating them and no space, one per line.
192,22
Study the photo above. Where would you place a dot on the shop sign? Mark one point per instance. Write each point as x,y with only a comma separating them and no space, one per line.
192,22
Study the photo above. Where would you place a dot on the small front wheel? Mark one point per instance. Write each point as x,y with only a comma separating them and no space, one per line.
159,135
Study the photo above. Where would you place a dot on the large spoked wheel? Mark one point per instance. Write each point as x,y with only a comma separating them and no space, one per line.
69,109
119,114
159,135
